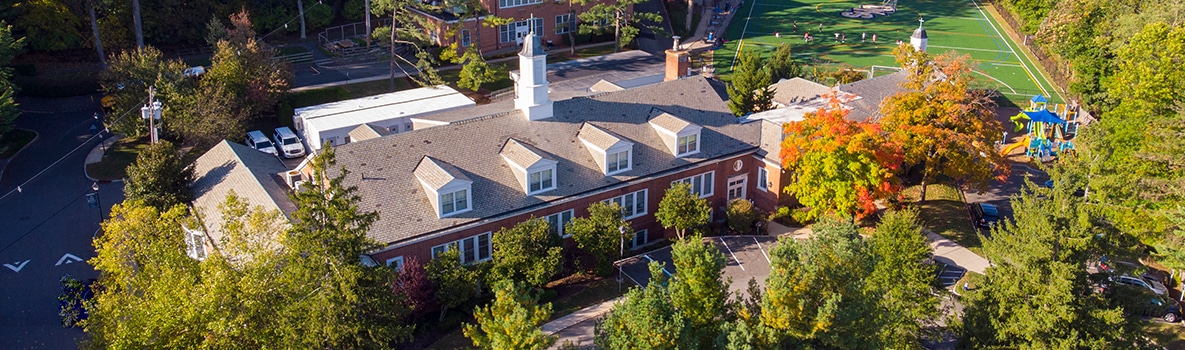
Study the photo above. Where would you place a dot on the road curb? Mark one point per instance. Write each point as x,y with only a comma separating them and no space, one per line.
36,135
113,139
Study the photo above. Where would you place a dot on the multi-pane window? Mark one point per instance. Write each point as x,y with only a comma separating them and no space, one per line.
619,161
453,202
763,179
689,144
465,40
473,249
640,239
563,23
514,3
632,205
396,262
511,32
700,184
541,180
558,223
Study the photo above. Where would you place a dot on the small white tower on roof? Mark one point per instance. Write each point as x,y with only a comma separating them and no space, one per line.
531,86
919,38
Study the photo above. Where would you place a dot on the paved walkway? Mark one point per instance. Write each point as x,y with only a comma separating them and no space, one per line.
952,253
585,314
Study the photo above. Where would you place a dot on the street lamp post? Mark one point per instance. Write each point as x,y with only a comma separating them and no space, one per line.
98,202
151,112
621,254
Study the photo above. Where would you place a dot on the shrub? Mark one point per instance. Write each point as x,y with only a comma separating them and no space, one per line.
741,215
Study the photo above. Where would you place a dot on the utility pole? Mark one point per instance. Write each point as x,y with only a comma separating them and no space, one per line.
151,111
368,29
300,8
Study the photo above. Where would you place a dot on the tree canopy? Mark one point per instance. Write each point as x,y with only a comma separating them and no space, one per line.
599,234
682,209
646,319
621,18
749,90
527,253
511,322
159,178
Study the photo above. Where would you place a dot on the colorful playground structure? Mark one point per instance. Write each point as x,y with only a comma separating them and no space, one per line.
1050,130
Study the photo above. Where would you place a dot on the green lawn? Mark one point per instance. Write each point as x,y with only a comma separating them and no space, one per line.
1169,336
952,25
14,141
116,160
945,213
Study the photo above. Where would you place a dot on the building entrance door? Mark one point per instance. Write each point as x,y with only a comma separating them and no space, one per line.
736,186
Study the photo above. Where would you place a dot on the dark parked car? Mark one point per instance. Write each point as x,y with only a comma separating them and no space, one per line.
1163,308
985,215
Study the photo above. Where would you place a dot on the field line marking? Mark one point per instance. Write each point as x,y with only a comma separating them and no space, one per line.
997,80
967,49
741,43
734,256
1007,43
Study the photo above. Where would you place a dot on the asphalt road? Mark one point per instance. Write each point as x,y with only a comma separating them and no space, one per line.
999,193
46,229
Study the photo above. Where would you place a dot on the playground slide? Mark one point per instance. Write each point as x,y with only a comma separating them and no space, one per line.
1021,143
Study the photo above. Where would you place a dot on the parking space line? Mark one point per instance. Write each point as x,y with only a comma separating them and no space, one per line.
762,251
734,256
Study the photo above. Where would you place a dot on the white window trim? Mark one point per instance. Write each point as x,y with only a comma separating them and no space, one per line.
466,40
763,178
567,23
634,240
629,164
524,3
645,207
397,262
468,201
698,142
691,180
540,171
477,255
562,230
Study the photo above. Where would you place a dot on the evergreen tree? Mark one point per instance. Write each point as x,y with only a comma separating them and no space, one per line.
159,178
620,17
749,90
511,322
782,64
902,282
645,319
700,292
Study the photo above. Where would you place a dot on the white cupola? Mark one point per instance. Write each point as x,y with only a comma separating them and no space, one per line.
530,87
919,38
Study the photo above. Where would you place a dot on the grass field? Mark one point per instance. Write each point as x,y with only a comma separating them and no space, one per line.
952,25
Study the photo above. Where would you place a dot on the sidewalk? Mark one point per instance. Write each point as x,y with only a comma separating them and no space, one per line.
952,253
96,154
577,317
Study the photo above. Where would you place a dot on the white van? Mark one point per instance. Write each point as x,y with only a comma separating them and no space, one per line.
256,140
288,142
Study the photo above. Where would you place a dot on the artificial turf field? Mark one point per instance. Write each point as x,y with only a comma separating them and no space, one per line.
952,25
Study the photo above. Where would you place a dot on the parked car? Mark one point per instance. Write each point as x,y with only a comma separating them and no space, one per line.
1163,308
256,140
288,143
985,215
1141,282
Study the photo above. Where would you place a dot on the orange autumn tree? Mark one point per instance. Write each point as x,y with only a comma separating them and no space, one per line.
946,127
839,166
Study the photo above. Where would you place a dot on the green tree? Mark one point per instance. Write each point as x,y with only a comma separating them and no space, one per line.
749,91
700,292
335,301
9,48
527,253
215,31
645,319
1037,293
741,215
511,322
406,29
476,71
827,272
782,64
839,166
620,17
599,234
49,25
455,282
902,282
682,209
159,178
950,128
127,79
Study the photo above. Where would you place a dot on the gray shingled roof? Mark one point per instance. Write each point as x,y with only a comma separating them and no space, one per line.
598,137
436,173
522,154
473,146
669,122
364,132
872,92
252,174
790,91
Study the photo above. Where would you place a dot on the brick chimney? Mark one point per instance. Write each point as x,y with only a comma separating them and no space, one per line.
678,62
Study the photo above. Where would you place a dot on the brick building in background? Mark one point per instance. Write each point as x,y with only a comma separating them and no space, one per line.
550,19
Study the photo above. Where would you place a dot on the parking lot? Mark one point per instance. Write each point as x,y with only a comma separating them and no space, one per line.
999,193
745,257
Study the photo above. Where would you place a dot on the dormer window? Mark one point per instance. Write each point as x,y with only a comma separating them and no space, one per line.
454,202
541,181
448,189
610,151
681,137
617,162
532,167
688,144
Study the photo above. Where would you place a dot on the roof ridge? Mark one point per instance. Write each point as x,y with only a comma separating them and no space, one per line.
484,117
235,152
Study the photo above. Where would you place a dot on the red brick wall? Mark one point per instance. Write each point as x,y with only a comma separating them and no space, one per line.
489,37
656,187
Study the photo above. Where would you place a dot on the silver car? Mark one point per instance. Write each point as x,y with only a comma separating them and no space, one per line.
1154,286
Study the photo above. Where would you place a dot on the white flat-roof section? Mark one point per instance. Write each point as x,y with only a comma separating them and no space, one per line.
394,111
